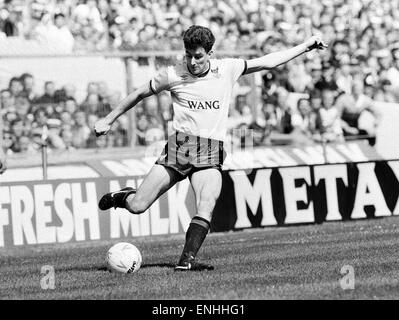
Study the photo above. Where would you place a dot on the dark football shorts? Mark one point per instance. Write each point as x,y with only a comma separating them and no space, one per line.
187,154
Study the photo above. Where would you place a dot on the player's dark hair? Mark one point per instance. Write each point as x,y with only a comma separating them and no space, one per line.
198,36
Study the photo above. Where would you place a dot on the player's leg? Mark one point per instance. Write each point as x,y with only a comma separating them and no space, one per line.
158,180
207,184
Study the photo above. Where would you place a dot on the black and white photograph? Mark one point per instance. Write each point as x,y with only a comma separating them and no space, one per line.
199,155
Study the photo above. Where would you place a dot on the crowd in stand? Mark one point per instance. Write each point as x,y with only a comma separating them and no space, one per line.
323,112
56,118
97,25
337,86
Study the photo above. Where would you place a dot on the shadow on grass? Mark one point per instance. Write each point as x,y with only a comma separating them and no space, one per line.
86,268
147,265
159,265
105,269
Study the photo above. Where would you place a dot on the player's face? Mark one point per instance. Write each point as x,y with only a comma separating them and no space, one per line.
197,60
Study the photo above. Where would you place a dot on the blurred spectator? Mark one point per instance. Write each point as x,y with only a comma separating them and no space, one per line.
303,122
91,120
71,106
62,33
120,136
385,92
91,140
65,93
142,127
80,130
113,99
283,113
22,106
87,38
12,25
67,138
92,104
54,139
49,94
244,110
8,140
40,118
15,86
270,116
7,100
87,11
45,31
17,131
102,91
26,145
101,142
28,84
66,118
358,114
392,74
327,79
155,122
330,118
316,77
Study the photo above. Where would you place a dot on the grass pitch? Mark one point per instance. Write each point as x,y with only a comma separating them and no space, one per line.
298,262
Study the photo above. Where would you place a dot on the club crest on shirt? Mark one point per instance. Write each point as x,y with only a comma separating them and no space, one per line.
215,72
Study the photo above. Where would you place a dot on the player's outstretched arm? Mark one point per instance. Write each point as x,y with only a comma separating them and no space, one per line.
275,59
103,125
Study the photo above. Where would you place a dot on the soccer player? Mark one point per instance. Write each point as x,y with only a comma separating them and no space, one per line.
201,89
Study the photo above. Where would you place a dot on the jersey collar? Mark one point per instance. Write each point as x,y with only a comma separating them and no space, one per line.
202,74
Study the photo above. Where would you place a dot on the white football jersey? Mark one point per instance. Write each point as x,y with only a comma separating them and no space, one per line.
200,103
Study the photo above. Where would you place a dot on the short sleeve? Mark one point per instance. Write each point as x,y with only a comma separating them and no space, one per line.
160,81
236,67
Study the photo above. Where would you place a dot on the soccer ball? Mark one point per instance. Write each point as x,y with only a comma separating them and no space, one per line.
124,257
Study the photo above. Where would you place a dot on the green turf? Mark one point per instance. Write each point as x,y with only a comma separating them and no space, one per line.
299,262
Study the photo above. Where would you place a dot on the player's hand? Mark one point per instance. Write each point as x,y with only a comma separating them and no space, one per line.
101,127
315,42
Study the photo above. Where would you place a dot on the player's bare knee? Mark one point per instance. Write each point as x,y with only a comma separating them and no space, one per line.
136,205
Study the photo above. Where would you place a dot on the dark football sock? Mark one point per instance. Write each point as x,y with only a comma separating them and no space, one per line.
195,236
